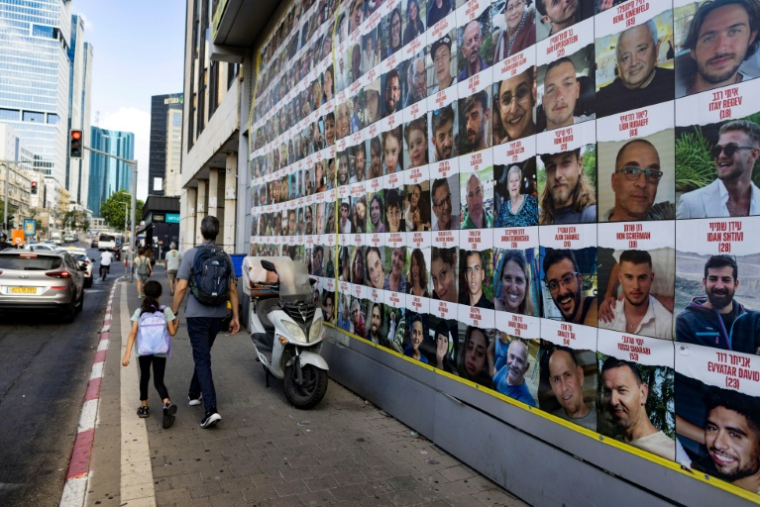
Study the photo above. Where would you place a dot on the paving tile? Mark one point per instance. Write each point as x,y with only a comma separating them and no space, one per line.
346,452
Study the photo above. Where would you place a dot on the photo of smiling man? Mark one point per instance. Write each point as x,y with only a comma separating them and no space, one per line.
631,70
637,400
637,176
718,44
567,187
568,387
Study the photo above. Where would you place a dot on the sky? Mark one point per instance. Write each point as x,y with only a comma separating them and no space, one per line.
138,52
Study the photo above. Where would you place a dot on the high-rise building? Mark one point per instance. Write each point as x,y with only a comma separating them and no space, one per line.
80,80
108,175
173,153
165,143
34,90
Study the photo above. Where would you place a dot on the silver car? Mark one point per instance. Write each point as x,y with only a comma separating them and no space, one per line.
41,280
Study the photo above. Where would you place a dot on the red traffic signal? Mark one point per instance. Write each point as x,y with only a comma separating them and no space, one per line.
34,187
75,144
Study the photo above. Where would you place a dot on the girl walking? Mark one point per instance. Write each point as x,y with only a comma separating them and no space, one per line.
143,270
152,325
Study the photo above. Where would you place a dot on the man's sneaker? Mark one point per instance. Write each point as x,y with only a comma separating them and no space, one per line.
194,402
212,417
143,412
170,410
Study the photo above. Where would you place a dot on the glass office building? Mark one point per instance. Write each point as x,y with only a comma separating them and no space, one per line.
108,175
34,89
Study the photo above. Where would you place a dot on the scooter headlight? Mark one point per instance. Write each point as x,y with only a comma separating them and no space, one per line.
315,331
296,333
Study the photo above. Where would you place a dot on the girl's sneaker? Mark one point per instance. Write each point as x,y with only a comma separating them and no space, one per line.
170,410
143,412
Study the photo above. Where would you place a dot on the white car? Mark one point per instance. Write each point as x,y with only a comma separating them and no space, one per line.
41,247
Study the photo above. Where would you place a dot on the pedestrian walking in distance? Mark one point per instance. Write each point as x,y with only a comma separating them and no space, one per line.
207,271
173,260
152,326
144,270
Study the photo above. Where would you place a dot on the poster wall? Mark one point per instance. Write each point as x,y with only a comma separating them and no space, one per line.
551,201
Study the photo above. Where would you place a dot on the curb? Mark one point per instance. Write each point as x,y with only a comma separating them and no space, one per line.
78,473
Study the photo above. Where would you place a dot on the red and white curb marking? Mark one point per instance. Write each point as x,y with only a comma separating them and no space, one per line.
75,488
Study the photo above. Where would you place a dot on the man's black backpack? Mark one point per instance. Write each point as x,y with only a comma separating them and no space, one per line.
210,276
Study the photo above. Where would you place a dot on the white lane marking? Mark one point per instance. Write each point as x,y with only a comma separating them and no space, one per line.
97,370
74,491
103,345
136,467
89,413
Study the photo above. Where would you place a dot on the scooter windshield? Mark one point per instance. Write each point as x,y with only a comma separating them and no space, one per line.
293,276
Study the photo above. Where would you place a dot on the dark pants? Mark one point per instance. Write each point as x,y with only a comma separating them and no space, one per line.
202,332
159,367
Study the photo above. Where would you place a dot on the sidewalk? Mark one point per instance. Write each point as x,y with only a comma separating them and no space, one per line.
264,452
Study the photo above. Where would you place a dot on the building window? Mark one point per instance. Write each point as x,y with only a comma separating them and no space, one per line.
177,120
47,32
53,119
9,114
34,116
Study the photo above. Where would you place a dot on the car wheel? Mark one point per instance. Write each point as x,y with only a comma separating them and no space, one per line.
70,311
80,306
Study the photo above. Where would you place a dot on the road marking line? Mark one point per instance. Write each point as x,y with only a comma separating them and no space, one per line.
93,389
100,355
80,458
74,491
136,468
89,413
97,371
103,344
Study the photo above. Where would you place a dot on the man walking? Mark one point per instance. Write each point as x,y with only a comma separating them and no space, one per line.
204,321
173,259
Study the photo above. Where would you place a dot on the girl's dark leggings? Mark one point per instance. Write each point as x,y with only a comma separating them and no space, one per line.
159,366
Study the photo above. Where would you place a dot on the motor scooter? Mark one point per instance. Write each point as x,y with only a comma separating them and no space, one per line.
287,327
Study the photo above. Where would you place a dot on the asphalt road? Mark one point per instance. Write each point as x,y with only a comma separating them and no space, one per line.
44,369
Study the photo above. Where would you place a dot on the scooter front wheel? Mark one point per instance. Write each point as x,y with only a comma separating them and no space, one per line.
312,389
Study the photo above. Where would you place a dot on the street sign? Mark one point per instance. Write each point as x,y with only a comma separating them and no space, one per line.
17,236
30,227
172,218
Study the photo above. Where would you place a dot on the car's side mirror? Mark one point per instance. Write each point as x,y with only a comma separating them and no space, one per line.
268,266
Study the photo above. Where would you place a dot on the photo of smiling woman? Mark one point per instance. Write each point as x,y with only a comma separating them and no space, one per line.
473,354
515,283
417,278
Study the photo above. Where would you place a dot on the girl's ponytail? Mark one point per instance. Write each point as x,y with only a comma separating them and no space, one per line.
152,291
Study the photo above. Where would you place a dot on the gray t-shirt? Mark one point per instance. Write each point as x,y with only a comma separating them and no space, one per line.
173,259
194,308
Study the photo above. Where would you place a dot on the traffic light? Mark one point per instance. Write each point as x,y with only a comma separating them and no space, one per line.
34,187
75,144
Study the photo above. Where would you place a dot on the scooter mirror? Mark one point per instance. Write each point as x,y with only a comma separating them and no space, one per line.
268,266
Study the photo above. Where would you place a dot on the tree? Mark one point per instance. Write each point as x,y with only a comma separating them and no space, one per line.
113,209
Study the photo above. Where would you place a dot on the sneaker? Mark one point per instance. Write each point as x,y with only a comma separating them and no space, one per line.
194,402
169,411
143,412
212,417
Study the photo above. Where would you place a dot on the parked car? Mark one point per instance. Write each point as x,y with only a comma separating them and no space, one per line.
69,238
41,247
41,281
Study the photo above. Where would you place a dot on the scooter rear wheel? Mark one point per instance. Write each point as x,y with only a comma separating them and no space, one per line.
311,391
